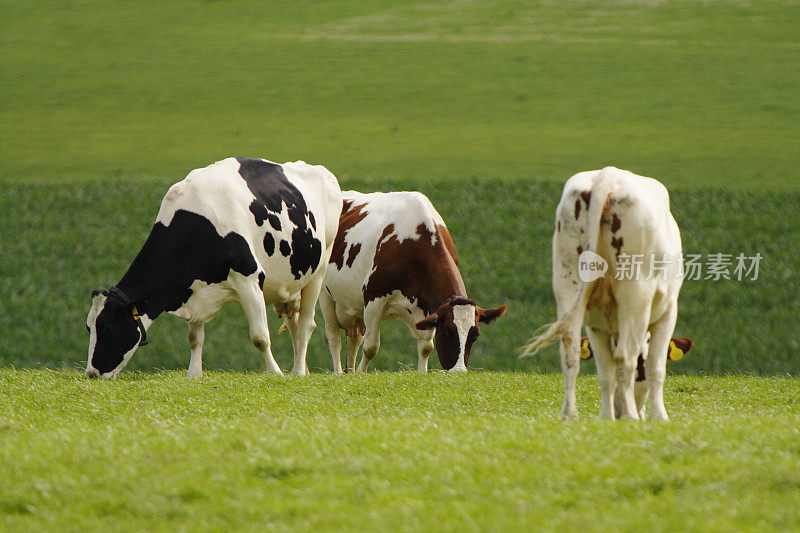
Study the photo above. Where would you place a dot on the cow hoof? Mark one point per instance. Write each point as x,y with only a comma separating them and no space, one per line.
569,414
658,417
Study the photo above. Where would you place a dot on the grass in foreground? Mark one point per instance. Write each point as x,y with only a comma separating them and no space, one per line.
395,451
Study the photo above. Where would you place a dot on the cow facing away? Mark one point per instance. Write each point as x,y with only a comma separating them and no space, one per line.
618,216
239,230
678,347
394,258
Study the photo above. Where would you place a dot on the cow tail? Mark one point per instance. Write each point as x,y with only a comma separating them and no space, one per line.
573,318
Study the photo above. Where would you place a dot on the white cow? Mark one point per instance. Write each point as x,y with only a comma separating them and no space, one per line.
240,230
625,220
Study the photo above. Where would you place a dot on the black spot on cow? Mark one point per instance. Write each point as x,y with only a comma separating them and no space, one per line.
160,277
261,278
174,256
269,243
274,221
306,252
259,211
272,190
640,374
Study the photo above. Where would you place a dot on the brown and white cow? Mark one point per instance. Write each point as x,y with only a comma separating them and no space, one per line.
678,347
617,268
393,257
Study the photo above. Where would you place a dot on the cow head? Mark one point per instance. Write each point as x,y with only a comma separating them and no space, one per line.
115,332
457,327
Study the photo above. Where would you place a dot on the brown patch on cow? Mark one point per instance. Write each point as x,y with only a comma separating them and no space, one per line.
616,223
447,239
577,208
350,217
587,197
580,249
352,253
601,297
420,270
616,242
193,340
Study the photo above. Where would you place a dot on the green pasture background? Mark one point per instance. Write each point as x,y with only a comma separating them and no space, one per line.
487,107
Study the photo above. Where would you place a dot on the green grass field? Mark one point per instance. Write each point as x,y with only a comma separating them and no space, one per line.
691,92
485,106
390,451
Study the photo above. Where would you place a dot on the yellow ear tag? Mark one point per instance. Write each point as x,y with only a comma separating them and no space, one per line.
674,353
136,315
586,353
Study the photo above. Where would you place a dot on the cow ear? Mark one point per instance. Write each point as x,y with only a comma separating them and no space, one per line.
428,322
678,347
487,316
98,296
586,348
138,308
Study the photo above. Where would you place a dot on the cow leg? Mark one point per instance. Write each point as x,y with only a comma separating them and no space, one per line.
569,349
640,395
301,332
424,349
373,316
354,340
606,370
625,363
656,363
424,337
252,300
632,331
196,337
332,335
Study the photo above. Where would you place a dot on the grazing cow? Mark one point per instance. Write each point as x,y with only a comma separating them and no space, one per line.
623,222
240,230
394,258
678,347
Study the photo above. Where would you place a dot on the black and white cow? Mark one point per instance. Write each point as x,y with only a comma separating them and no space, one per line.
239,230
